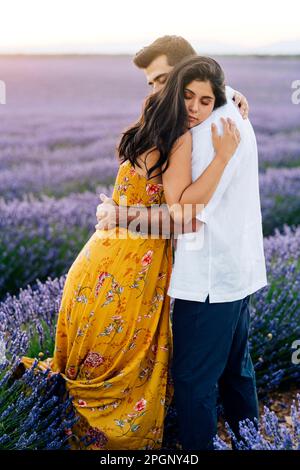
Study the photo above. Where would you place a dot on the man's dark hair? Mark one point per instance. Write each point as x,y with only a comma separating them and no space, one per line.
175,48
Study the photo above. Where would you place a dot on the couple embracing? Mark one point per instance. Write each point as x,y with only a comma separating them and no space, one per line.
189,163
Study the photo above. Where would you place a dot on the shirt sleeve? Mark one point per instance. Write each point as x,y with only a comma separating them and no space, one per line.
230,170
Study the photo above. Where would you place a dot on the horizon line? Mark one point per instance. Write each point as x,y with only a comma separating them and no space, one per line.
128,54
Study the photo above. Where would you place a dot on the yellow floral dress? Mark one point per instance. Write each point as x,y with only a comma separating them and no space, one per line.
113,341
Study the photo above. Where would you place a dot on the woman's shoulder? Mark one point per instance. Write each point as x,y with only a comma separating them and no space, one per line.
184,140
186,137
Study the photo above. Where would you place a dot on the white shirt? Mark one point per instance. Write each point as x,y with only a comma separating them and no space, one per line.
225,258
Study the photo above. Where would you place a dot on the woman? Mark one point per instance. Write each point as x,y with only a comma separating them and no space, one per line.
113,338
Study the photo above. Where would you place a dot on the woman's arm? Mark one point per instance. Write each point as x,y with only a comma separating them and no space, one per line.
184,198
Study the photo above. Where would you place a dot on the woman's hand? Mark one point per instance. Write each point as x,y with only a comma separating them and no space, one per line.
226,144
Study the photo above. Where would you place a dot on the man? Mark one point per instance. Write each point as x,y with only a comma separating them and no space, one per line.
212,285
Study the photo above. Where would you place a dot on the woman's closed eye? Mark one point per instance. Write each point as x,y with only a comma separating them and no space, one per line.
203,103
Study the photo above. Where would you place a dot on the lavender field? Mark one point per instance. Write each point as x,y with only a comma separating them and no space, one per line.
58,133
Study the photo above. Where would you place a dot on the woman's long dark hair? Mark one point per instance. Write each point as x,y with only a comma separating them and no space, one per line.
164,118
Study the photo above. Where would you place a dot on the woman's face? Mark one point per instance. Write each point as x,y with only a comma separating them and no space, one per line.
199,101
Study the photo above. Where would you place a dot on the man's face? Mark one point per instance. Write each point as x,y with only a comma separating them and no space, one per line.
157,72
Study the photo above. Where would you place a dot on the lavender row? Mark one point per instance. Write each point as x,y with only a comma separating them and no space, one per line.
73,141
62,178
56,139
268,89
279,150
56,180
41,238
280,198
14,157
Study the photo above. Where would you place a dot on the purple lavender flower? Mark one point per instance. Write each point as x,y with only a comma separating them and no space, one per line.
48,234
268,434
35,410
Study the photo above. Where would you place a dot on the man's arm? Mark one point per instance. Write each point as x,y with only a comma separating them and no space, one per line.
155,220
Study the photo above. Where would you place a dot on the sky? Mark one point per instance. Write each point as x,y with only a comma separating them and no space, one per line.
96,26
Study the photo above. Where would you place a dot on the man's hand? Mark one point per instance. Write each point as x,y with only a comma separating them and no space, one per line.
106,213
242,104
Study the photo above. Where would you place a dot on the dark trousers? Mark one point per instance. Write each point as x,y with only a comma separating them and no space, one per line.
211,355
